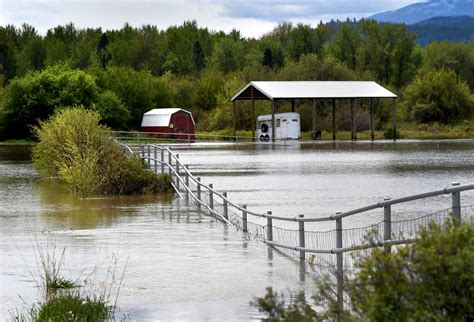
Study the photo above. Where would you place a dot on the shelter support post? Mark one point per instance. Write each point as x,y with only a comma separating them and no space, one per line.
372,136
233,120
394,111
254,122
334,119
293,105
313,118
352,120
273,121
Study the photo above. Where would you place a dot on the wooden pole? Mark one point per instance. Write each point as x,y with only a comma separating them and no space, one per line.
273,120
334,119
254,124
394,109
293,105
233,120
352,120
313,115
372,136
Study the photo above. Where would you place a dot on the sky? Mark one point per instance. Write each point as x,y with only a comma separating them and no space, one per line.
252,18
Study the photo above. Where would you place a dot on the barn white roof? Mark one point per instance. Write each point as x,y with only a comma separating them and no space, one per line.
161,116
312,89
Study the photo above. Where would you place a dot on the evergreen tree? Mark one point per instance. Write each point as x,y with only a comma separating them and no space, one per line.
198,57
268,58
103,54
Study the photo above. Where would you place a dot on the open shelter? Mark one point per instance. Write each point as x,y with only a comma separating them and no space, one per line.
314,90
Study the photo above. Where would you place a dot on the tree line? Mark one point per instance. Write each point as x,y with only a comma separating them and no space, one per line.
124,73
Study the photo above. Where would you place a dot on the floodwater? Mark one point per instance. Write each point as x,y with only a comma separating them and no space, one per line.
179,264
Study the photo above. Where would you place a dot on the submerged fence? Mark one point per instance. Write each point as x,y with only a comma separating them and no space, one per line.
327,244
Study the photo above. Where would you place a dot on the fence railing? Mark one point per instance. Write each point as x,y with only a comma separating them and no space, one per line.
336,242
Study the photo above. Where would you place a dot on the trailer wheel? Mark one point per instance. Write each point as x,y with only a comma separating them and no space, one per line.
264,128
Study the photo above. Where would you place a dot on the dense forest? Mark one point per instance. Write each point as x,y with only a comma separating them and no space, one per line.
124,73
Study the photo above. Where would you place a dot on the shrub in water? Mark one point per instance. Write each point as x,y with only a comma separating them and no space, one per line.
74,147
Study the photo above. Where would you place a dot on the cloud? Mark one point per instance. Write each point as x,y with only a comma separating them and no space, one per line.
252,18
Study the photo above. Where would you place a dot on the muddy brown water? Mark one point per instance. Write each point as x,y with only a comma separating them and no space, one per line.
182,265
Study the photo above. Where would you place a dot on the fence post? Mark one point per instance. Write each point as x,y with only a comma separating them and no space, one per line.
301,237
211,197
456,204
170,163
269,227
340,268
162,160
149,155
244,219
177,171
156,158
226,206
387,225
186,167
199,191
140,151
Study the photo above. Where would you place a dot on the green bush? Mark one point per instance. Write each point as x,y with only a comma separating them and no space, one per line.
437,96
431,280
76,149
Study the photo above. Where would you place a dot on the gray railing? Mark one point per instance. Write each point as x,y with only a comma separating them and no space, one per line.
338,241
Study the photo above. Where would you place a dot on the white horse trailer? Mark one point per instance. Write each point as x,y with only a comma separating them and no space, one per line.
287,126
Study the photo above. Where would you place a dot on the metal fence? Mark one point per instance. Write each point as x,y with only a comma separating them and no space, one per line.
327,244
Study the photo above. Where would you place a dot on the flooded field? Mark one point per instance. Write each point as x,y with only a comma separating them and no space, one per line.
182,265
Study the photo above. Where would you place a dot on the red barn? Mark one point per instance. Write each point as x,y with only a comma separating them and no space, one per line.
176,122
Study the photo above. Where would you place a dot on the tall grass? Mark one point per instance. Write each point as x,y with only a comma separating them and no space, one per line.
66,300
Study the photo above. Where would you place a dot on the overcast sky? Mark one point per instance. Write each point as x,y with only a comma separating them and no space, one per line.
252,18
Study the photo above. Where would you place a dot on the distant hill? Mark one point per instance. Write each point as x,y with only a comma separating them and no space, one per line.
426,10
459,29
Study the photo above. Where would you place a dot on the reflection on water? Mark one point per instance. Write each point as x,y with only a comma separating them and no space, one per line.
182,265
89,213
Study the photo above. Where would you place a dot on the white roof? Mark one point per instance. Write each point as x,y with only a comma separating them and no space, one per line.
319,89
161,116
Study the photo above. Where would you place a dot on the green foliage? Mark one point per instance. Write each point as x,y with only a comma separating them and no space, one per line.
76,149
458,57
103,53
437,96
112,111
198,57
37,95
187,66
138,90
73,307
273,304
431,280
229,55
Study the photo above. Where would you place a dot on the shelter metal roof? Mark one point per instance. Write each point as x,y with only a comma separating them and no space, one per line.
271,90
161,116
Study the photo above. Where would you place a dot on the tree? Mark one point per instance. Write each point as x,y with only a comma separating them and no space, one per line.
103,54
229,55
139,91
346,42
36,96
267,58
304,40
437,96
458,57
198,57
